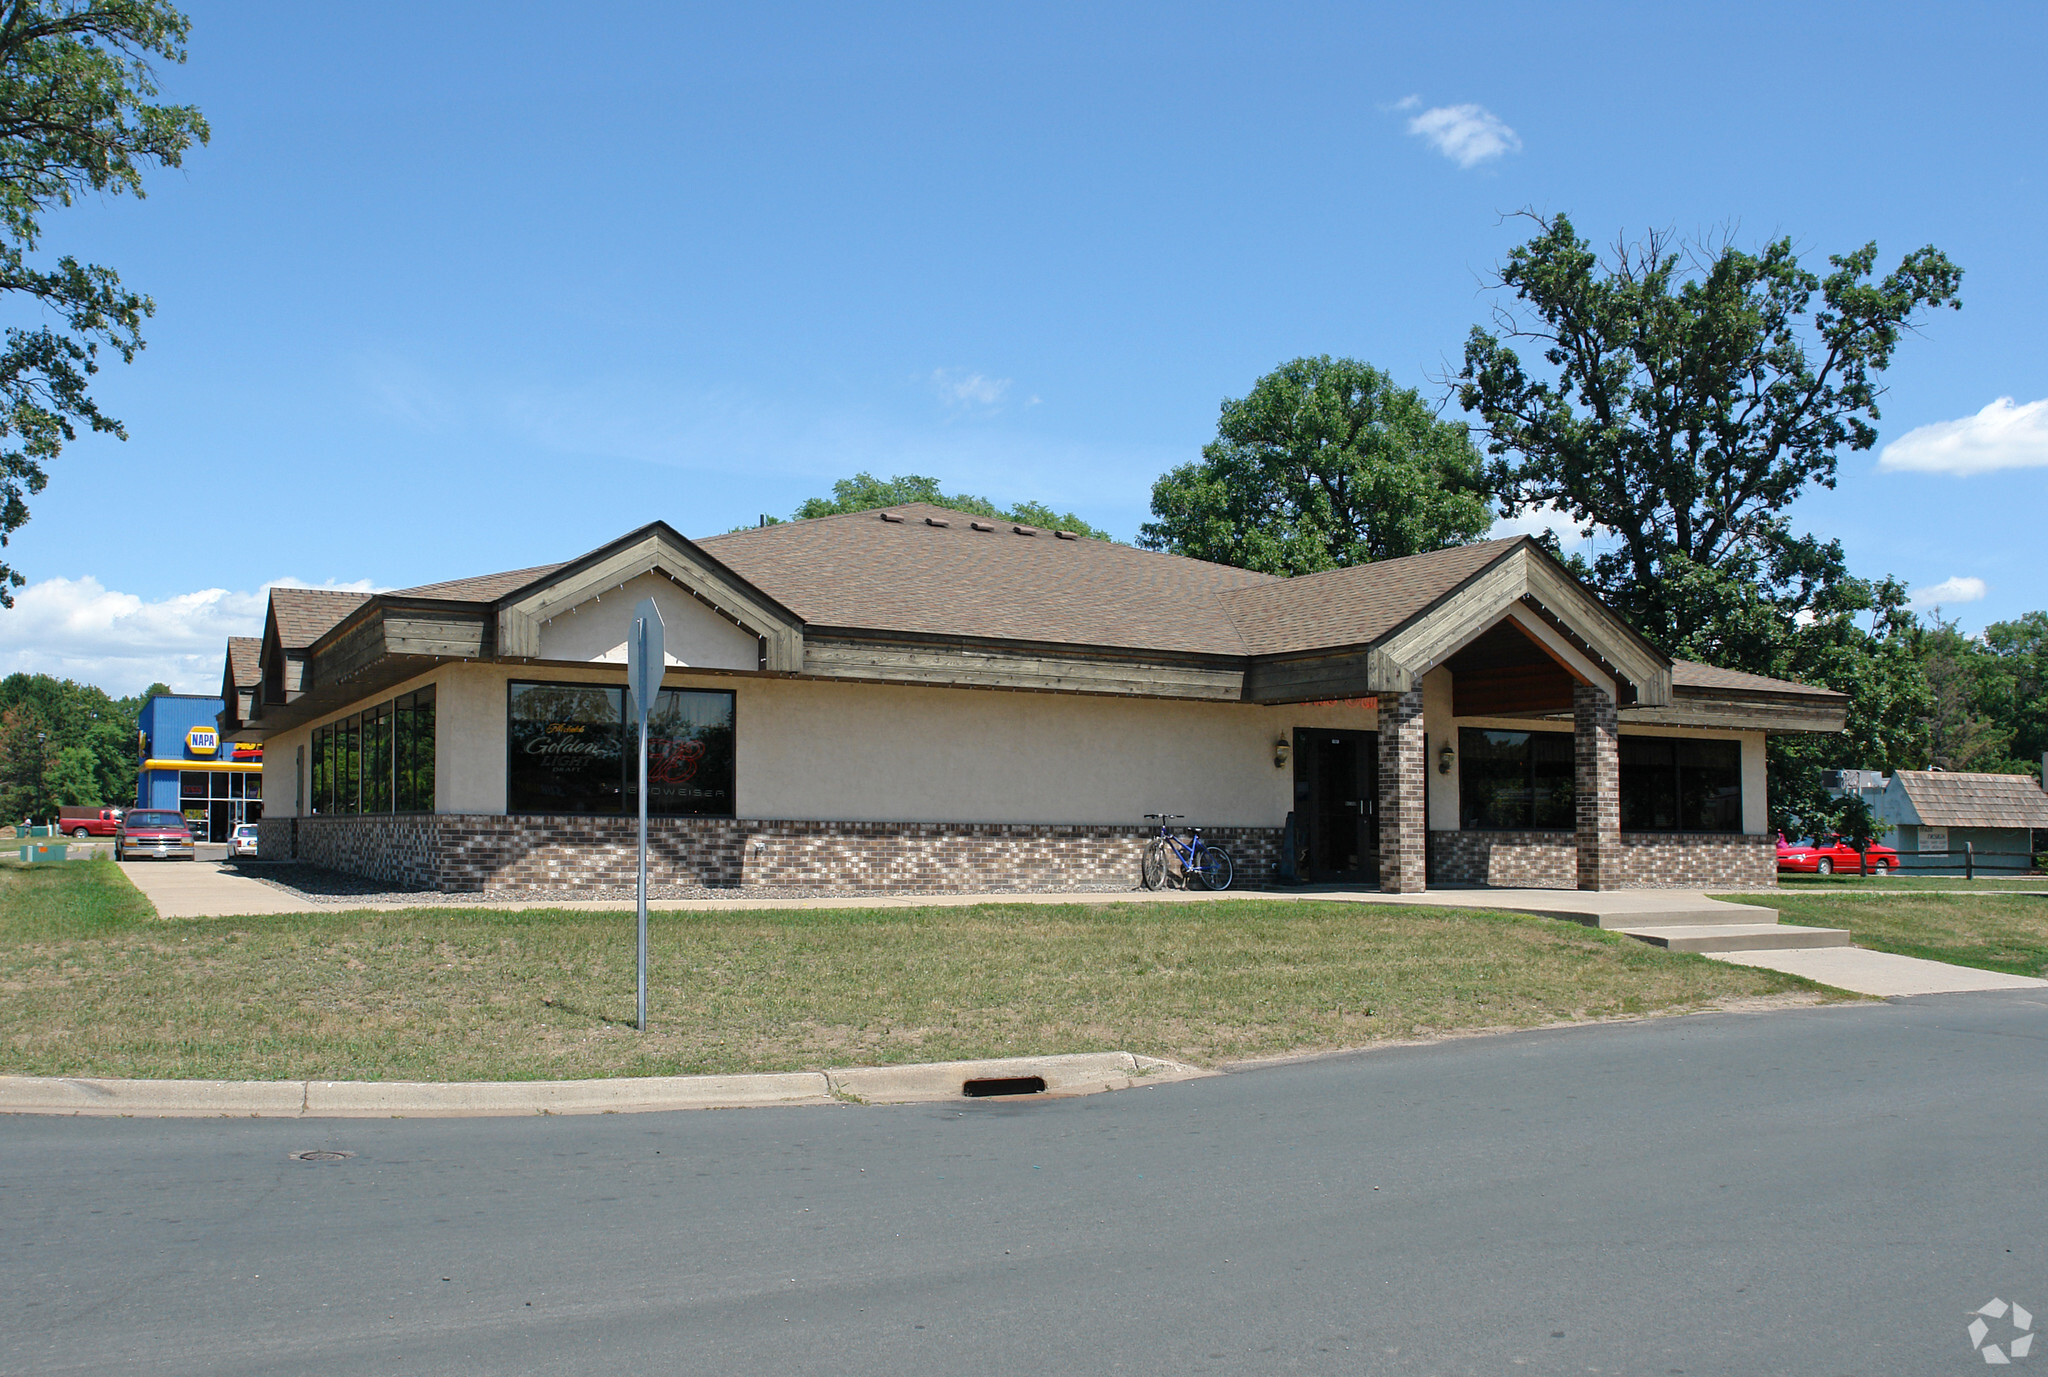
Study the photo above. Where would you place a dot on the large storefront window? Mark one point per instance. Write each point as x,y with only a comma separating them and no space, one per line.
1670,784
1515,780
380,760
569,750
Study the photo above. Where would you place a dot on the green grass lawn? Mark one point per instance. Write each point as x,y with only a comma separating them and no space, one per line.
1927,884
93,983
1993,931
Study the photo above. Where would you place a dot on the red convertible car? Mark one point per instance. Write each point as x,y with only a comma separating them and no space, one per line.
1833,856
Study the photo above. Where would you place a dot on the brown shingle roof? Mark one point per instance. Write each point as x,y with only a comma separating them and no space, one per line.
1351,606
1954,799
859,571
304,615
243,653
487,588
1686,674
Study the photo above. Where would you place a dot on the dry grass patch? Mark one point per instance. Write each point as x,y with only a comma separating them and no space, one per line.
474,994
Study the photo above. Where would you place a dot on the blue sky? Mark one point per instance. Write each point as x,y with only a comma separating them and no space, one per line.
459,288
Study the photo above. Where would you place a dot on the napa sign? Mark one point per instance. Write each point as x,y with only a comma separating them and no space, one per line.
202,741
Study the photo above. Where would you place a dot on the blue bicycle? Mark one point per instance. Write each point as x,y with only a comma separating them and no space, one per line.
1168,856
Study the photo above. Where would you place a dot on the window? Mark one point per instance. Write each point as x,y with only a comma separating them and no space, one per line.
569,749
192,784
380,760
1671,784
1515,780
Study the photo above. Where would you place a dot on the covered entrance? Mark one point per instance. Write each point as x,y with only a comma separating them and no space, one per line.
1336,805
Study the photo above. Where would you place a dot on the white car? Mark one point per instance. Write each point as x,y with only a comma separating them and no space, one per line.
243,843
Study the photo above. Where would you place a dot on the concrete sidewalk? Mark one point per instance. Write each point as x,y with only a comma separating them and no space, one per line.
1879,973
1080,1073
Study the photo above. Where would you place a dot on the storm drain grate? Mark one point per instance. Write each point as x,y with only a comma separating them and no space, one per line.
321,1155
1003,1085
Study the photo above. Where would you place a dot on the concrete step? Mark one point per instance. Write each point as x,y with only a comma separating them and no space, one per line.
1639,909
1738,936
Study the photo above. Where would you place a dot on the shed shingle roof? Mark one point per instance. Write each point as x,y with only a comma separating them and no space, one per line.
1945,798
304,615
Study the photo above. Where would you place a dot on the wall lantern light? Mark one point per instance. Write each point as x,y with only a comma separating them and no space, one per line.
1445,758
1281,750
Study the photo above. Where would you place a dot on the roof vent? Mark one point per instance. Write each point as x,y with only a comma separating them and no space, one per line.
1066,535
890,516
936,521
1025,530
981,526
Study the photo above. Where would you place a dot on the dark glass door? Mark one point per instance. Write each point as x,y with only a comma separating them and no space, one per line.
1336,804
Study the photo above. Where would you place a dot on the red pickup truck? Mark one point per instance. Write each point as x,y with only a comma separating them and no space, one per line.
89,822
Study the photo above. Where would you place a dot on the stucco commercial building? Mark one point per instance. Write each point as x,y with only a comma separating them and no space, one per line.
921,697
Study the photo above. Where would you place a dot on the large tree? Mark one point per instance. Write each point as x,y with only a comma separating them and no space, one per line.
1326,463
864,493
63,742
1686,396
1689,394
78,114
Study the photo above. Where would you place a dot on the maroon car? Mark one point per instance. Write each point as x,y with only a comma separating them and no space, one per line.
153,832
1833,856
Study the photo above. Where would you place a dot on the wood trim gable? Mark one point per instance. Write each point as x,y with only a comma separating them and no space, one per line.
657,551
1525,584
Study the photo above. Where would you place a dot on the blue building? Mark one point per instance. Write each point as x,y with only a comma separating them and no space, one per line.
186,764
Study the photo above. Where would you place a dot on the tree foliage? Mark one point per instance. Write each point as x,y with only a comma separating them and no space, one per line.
1990,695
62,743
1692,393
1325,464
1688,395
78,114
865,493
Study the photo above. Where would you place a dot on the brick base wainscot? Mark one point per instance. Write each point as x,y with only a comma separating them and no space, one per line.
1648,860
477,852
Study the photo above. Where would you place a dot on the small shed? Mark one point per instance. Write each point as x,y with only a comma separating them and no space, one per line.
2001,819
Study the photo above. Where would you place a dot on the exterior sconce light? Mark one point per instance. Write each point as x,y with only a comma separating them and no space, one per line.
1281,750
1445,758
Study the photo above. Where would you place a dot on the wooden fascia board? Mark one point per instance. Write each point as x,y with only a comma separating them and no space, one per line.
1743,712
660,551
409,629
956,662
327,699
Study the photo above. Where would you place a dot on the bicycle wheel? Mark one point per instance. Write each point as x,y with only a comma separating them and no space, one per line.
1215,869
1152,868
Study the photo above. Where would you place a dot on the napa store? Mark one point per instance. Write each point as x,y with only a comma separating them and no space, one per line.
186,765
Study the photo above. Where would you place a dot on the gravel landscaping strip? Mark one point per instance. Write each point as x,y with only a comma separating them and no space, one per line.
331,888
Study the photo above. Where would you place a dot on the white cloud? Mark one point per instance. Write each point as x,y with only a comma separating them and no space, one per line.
1535,520
1948,592
81,629
963,389
2001,436
1466,134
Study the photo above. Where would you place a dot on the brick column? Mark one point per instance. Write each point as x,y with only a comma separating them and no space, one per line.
1596,761
1404,814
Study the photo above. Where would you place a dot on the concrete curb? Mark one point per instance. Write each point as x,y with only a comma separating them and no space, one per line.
1085,1073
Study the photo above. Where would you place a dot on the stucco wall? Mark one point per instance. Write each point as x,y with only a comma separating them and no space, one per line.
693,634
810,749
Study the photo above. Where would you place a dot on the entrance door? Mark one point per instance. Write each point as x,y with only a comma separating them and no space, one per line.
1336,804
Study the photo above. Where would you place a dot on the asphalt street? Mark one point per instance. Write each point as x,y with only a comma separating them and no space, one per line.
1815,1192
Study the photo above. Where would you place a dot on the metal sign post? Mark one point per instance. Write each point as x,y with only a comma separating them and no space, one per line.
646,657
